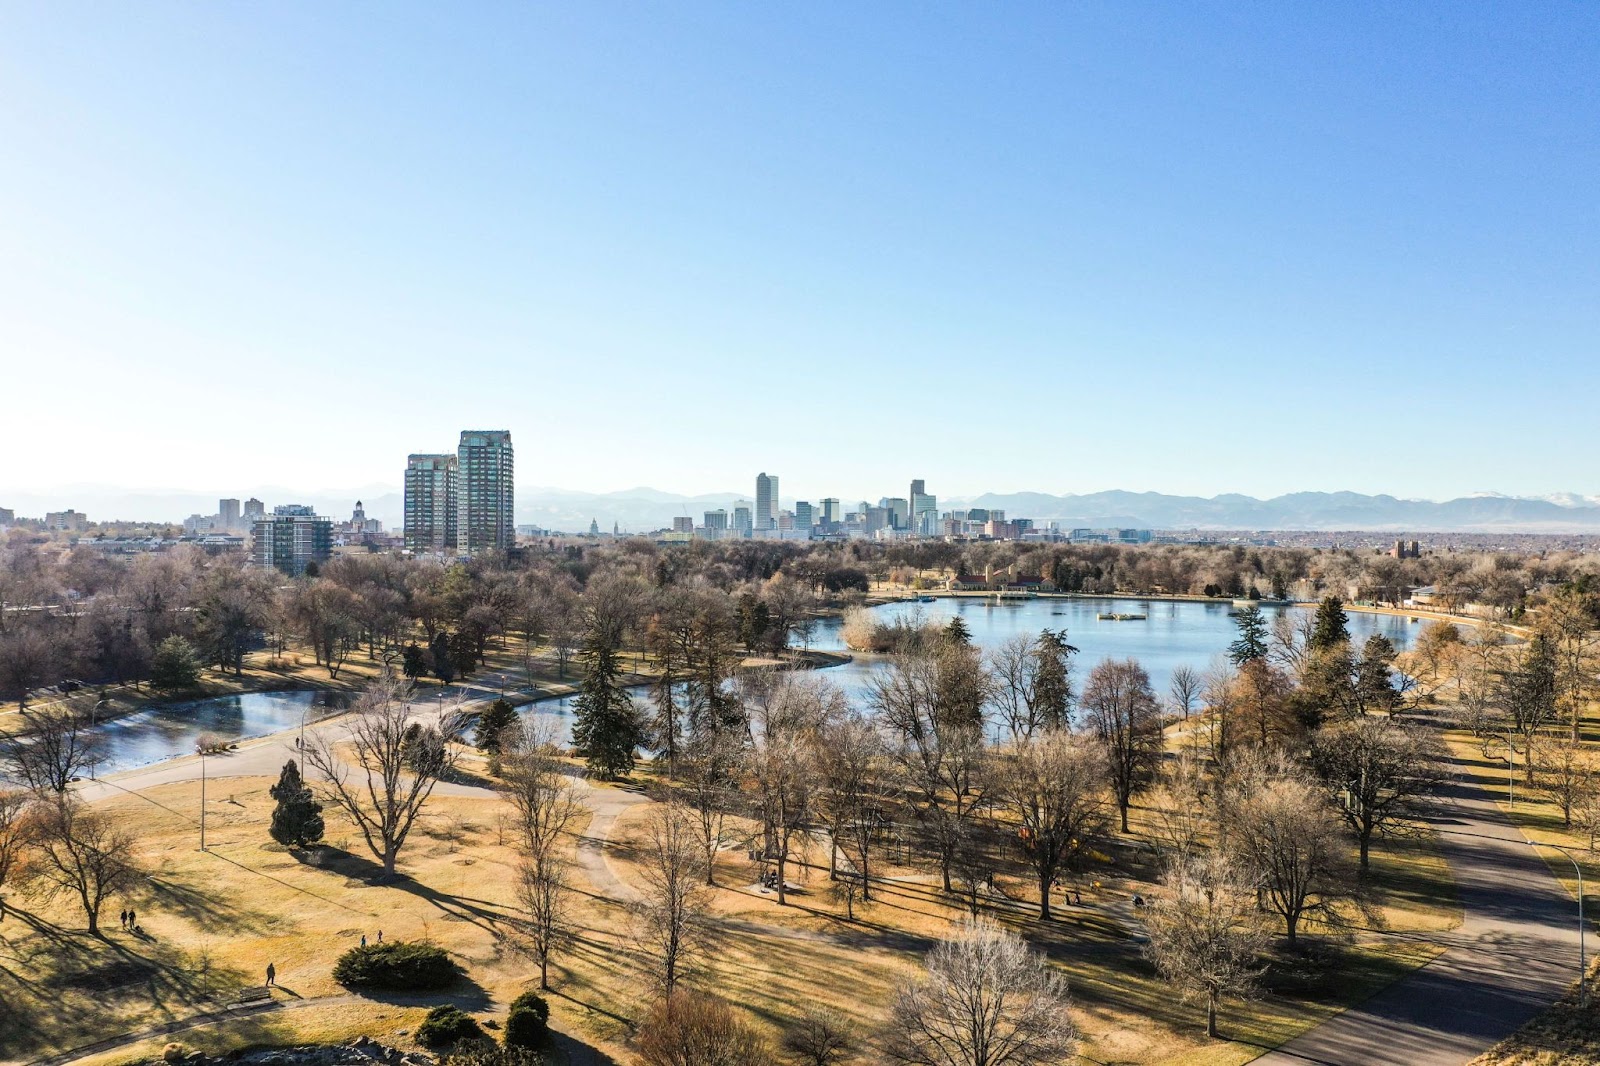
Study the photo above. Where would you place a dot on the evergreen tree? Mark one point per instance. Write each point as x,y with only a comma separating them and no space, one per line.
1052,679
297,819
416,662
1332,625
463,650
174,665
1251,645
957,632
606,727
444,668
492,724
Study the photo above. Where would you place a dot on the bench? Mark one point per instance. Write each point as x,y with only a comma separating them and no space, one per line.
255,994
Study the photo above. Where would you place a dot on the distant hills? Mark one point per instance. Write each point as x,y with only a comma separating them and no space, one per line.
643,508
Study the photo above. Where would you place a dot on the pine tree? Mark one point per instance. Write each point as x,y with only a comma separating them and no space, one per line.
1332,626
1052,680
297,819
1251,645
416,663
492,724
957,632
606,727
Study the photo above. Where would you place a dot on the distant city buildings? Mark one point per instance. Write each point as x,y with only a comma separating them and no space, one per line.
292,538
463,502
68,521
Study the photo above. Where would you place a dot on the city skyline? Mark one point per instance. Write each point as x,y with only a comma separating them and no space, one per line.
1298,248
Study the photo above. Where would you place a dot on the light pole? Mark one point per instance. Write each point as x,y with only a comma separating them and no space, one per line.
201,748
1583,958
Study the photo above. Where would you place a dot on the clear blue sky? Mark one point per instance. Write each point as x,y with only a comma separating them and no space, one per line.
1056,246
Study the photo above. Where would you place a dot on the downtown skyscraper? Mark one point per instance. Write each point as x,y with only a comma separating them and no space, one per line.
766,501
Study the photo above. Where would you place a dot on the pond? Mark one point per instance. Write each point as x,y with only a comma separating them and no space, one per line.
171,730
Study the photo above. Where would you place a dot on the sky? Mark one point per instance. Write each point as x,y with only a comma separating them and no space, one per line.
1189,247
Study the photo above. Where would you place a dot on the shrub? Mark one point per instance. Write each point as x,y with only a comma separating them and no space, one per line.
398,966
691,1028
173,1052
528,1024
447,1025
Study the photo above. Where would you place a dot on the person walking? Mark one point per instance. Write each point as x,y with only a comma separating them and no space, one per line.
272,974
133,920
363,940
380,936
124,918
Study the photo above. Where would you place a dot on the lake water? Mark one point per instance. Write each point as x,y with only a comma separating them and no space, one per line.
169,731
1173,634
1186,633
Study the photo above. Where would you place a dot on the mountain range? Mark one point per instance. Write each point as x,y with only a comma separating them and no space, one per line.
643,509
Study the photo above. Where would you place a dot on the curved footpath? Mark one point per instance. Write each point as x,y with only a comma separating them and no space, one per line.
1515,953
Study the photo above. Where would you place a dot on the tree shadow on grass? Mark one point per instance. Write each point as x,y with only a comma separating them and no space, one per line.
363,872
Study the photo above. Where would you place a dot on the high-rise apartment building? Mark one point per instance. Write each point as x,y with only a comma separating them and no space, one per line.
254,508
292,538
766,501
430,503
485,494
228,511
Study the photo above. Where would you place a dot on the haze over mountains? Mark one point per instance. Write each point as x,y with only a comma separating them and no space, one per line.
641,509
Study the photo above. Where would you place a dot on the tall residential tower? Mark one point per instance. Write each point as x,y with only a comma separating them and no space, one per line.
430,522
485,494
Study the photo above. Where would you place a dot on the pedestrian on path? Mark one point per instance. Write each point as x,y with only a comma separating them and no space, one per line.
363,940
133,922
124,918
380,936
272,974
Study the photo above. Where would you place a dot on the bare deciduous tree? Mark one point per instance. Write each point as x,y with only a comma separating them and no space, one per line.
847,754
398,760
940,757
546,808
1568,775
18,826
83,854
671,915
1289,840
986,999
1185,688
1206,932
1381,774
1125,717
1054,782
58,745
821,1037
782,772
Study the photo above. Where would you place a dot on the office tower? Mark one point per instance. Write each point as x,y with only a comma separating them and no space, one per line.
831,515
292,538
254,508
899,512
228,511
766,501
876,518
924,510
742,519
683,524
802,514
430,503
485,494
716,521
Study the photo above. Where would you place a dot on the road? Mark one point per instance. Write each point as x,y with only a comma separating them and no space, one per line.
1514,954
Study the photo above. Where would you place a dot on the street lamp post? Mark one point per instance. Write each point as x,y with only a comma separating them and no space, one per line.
1583,958
200,747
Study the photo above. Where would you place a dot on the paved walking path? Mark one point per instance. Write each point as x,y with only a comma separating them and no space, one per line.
1515,953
